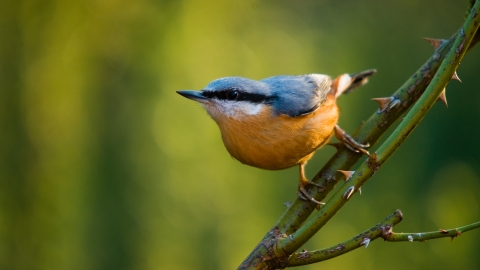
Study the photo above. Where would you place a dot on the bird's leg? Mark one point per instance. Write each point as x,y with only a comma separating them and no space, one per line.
349,142
302,184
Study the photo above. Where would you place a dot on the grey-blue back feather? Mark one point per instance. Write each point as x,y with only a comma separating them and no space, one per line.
298,95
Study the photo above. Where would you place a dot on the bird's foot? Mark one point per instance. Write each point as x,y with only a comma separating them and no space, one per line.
302,187
349,142
303,194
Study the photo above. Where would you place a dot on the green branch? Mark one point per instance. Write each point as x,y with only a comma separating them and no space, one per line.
383,230
363,239
370,132
372,129
448,67
422,237
267,252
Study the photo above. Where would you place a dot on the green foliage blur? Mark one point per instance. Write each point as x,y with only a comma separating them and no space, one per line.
104,166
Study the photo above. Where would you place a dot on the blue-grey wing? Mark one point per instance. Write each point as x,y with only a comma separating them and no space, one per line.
298,95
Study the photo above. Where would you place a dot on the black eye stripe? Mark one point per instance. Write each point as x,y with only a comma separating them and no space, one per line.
235,94
256,98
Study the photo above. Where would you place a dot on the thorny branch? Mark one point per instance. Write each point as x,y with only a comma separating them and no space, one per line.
384,230
401,133
290,231
422,237
363,239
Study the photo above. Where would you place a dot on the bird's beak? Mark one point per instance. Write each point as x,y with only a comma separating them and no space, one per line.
193,95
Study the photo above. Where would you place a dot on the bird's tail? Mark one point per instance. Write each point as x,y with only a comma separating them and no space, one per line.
345,83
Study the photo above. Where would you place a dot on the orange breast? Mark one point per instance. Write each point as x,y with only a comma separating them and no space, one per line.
275,142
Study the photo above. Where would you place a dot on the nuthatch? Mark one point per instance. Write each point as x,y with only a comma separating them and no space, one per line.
279,122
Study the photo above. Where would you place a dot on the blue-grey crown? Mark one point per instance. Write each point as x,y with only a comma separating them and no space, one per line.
290,95
238,89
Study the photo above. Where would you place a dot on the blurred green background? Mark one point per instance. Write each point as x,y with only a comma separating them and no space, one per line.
104,166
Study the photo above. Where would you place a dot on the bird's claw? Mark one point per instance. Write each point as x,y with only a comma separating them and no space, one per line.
303,194
302,184
350,143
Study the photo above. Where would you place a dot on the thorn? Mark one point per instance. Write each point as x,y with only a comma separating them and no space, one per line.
383,102
348,174
287,204
366,242
443,231
410,238
348,193
304,254
435,42
360,190
455,77
443,97
386,103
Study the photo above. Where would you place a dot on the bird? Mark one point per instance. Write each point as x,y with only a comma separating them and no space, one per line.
279,122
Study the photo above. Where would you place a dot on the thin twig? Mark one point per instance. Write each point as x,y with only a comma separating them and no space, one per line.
363,239
422,237
383,230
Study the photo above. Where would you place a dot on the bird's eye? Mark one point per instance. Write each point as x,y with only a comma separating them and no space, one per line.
232,95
